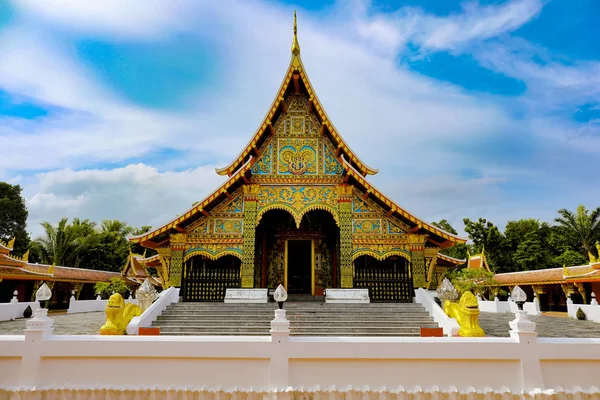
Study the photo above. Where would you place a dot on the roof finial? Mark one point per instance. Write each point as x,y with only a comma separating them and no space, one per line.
295,44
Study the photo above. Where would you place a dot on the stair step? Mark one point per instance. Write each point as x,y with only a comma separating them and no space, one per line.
306,318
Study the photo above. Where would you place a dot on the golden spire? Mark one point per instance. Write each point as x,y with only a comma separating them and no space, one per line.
295,44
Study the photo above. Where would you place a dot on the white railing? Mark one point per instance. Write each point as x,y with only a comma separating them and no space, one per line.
82,306
165,298
15,309
425,298
591,311
39,365
509,306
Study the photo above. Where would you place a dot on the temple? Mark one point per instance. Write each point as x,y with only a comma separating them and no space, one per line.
297,209
18,274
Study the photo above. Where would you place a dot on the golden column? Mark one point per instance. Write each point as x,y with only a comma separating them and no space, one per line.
250,197
345,210
176,267
417,258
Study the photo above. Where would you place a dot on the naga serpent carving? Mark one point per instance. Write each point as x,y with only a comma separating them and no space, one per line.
118,315
466,313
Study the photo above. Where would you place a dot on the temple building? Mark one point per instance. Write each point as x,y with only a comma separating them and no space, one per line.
17,273
298,209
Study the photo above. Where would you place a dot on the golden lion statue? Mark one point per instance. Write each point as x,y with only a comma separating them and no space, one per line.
466,313
118,315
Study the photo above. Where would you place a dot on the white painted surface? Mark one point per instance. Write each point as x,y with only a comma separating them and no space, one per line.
425,298
509,306
283,367
246,295
81,306
591,311
14,310
347,296
165,298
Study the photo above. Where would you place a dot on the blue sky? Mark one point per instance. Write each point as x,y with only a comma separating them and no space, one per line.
468,108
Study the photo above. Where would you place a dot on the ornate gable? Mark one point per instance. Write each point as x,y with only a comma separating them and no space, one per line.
297,151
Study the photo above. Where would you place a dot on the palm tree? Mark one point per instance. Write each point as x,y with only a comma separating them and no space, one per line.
61,243
583,225
115,226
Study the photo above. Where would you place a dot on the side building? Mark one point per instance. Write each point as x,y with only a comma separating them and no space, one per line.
297,209
17,273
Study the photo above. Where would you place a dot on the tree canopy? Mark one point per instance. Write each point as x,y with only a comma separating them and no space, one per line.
84,244
529,244
13,217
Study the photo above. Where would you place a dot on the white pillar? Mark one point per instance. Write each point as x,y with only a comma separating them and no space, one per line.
279,365
37,329
523,330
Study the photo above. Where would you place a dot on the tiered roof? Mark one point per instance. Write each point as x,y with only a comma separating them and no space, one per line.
19,268
355,170
580,273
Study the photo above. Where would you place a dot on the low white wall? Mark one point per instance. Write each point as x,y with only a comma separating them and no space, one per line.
165,298
592,312
425,298
497,306
282,367
14,310
81,306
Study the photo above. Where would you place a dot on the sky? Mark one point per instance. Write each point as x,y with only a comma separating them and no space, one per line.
122,110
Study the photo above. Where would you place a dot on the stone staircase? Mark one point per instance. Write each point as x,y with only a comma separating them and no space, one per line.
306,319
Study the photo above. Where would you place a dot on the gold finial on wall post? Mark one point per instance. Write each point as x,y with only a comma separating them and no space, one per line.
295,44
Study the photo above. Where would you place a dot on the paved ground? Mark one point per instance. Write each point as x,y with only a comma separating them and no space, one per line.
492,324
546,325
64,324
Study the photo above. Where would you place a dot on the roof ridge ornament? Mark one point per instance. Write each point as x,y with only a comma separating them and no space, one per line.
295,44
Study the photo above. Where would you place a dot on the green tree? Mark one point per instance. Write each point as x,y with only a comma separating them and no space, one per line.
60,244
460,250
13,217
527,245
570,258
583,225
116,285
471,280
485,235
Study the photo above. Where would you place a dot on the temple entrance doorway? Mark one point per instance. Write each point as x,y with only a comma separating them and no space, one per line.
299,266
301,258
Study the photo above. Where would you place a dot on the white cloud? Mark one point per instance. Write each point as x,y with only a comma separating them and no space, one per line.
412,127
137,19
138,194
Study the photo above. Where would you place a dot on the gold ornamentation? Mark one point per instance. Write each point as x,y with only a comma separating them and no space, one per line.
380,251
331,166
229,226
394,229
366,226
297,156
418,269
199,227
346,267
118,315
178,239
215,250
176,267
297,200
263,165
297,125
295,44
466,313
360,206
